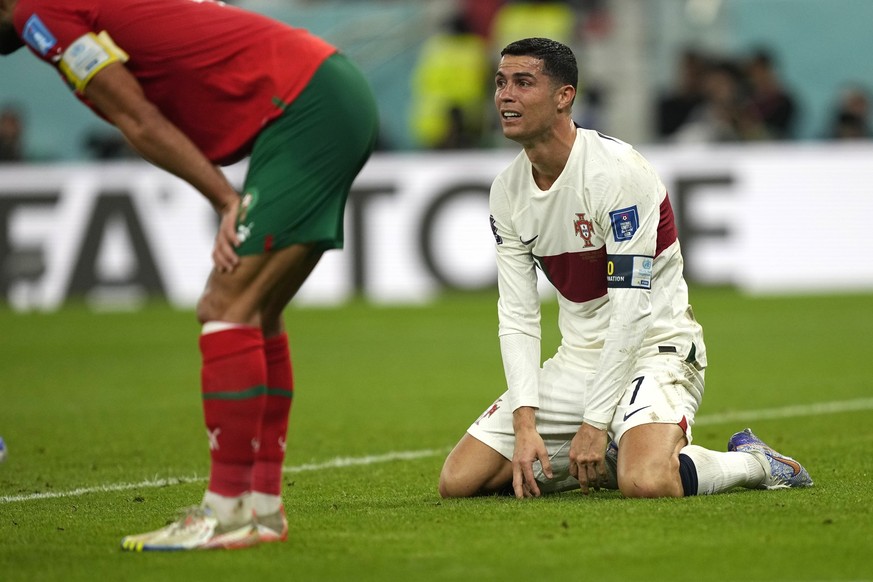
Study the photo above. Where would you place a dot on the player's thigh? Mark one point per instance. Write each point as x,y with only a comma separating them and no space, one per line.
474,468
663,389
240,296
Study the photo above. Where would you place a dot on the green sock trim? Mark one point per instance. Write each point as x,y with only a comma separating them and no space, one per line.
253,392
280,392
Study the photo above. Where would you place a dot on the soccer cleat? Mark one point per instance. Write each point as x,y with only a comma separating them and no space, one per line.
780,471
273,527
196,529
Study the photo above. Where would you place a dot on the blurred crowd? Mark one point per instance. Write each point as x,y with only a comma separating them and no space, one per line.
713,98
718,99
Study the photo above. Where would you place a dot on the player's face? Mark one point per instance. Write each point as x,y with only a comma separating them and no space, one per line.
526,98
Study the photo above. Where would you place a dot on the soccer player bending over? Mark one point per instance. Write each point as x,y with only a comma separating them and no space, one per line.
192,84
593,216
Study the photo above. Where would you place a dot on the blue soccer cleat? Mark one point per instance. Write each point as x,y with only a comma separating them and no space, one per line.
780,471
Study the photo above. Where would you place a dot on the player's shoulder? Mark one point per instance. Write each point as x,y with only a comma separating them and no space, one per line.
512,174
613,156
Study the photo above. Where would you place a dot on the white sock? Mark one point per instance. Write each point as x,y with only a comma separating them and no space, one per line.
230,511
265,504
718,472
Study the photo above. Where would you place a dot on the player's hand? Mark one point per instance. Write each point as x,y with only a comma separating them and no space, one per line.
587,462
529,447
226,241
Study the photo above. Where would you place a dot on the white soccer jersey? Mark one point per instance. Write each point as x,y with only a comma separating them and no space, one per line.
605,237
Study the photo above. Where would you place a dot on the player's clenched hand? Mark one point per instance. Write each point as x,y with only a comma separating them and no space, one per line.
224,253
587,462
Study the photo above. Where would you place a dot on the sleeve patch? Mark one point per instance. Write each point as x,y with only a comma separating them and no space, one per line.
625,223
38,36
497,238
87,55
629,272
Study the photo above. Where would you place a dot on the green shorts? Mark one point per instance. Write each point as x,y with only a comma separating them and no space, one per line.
303,163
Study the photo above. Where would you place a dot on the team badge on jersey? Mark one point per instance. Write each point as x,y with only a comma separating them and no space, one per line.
38,36
625,223
584,228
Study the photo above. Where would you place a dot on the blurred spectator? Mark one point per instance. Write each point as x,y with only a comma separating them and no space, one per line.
528,18
11,134
772,103
675,107
726,114
451,88
851,116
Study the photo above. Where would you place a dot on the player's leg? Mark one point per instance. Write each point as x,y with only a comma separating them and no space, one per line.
237,360
267,472
234,388
474,468
653,426
648,461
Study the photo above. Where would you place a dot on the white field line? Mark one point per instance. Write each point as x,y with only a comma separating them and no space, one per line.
342,462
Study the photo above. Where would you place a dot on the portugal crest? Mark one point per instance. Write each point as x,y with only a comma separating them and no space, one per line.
584,228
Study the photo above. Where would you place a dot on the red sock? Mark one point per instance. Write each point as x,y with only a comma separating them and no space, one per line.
267,474
233,383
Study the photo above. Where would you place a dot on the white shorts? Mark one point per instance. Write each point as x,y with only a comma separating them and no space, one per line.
663,389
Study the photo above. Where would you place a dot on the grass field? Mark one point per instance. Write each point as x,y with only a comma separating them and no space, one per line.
101,415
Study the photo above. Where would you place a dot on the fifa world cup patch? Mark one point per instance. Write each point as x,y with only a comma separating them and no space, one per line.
629,271
37,35
625,223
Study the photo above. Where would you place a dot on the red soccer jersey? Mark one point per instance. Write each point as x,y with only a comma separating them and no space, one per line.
218,72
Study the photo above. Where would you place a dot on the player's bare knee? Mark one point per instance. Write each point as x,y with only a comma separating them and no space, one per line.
650,484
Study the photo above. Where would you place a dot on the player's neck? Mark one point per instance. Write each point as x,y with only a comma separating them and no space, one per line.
549,156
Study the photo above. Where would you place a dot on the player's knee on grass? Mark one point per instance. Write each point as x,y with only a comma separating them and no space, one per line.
650,479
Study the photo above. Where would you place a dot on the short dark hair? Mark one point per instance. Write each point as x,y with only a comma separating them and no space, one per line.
559,62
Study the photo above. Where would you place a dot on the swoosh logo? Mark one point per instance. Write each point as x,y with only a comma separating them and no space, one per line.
629,414
527,242
790,462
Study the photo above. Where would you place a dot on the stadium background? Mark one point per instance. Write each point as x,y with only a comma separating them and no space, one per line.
81,216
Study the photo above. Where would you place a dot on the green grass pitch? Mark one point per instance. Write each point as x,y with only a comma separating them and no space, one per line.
101,415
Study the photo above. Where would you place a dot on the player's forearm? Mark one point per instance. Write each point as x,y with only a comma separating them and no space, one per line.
164,145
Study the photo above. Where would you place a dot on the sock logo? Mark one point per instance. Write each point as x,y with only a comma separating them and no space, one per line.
212,435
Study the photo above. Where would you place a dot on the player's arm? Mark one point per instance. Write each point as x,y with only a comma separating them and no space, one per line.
117,94
631,221
519,331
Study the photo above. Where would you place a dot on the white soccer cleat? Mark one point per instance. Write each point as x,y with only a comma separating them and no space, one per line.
196,529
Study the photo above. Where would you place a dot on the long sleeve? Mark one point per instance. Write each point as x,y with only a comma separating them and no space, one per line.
518,307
